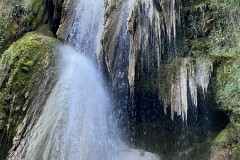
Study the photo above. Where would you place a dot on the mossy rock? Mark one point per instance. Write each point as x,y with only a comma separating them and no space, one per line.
170,73
227,145
220,140
227,84
226,90
23,67
24,18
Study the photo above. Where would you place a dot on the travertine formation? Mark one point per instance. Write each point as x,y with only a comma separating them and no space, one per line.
153,26
147,47
188,78
139,37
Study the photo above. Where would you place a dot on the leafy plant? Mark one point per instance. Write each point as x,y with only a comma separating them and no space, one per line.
226,31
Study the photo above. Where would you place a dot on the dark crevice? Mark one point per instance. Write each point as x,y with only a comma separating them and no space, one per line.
157,133
54,9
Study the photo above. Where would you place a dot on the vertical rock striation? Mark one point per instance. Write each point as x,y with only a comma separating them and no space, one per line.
152,26
187,78
139,37
68,13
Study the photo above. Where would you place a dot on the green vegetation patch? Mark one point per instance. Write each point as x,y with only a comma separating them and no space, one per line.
227,82
22,70
17,17
226,90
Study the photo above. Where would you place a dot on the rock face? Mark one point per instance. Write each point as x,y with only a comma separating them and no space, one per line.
158,33
226,91
173,49
19,17
26,79
114,55
188,77
68,12
144,39
153,26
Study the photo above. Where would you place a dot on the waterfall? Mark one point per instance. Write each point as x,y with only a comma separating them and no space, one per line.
87,27
77,121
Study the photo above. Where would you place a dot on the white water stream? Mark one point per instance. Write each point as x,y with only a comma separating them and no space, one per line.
77,122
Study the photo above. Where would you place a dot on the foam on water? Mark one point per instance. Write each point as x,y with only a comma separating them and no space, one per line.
77,120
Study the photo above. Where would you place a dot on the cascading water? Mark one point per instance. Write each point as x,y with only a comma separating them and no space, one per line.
87,26
77,120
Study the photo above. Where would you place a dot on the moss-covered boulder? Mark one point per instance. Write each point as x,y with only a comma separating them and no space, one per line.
23,69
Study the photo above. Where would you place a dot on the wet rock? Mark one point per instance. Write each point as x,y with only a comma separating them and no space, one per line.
22,90
67,18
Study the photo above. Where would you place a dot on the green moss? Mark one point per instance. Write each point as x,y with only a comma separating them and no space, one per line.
226,90
227,84
20,22
196,5
236,151
211,26
221,138
29,64
45,30
227,142
14,29
25,69
220,143
2,117
169,74
22,70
